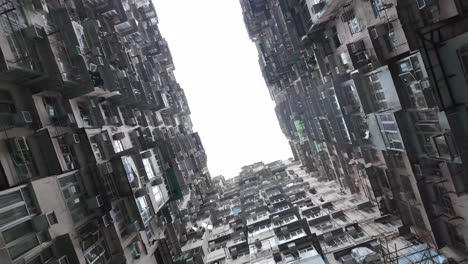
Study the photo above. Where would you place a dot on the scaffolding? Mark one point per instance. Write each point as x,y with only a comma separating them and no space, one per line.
413,253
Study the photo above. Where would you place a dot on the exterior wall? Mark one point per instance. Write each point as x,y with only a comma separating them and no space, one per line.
403,124
93,121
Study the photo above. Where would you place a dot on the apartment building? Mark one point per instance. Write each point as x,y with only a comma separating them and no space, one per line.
97,150
370,94
279,213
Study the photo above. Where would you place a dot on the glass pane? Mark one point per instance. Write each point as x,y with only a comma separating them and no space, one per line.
17,231
10,198
67,179
28,200
23,247
13,214
405,66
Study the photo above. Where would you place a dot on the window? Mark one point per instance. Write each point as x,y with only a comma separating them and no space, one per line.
463,57
51,105
427,116
10,198
21,157
17,232
389,126
361,56
354,26
93,253
157,194
335,240
129,168
6,106
444,200
324,226
378,8
23,246
442,147
52,218
390,40
67,153
148,168
73,195
118,146
456,236
143,208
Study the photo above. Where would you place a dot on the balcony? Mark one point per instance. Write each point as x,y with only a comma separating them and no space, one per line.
70,49
87,112
91,242
21,164
127,27
19,60
289,236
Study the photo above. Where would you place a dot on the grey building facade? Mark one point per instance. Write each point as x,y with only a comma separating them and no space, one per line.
97,149
370,94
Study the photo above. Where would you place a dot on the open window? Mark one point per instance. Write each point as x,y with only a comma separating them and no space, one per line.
463,57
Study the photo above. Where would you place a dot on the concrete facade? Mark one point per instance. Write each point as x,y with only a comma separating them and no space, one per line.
371,94
97,149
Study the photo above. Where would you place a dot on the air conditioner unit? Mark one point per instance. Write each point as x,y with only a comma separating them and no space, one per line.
421,3
355,74
374,34
292,246
107,220
76,138
25,117
99,200
420,100
417,170
95,202
21,144
71,118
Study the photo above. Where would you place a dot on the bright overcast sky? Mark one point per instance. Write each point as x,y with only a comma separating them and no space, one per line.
217,65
